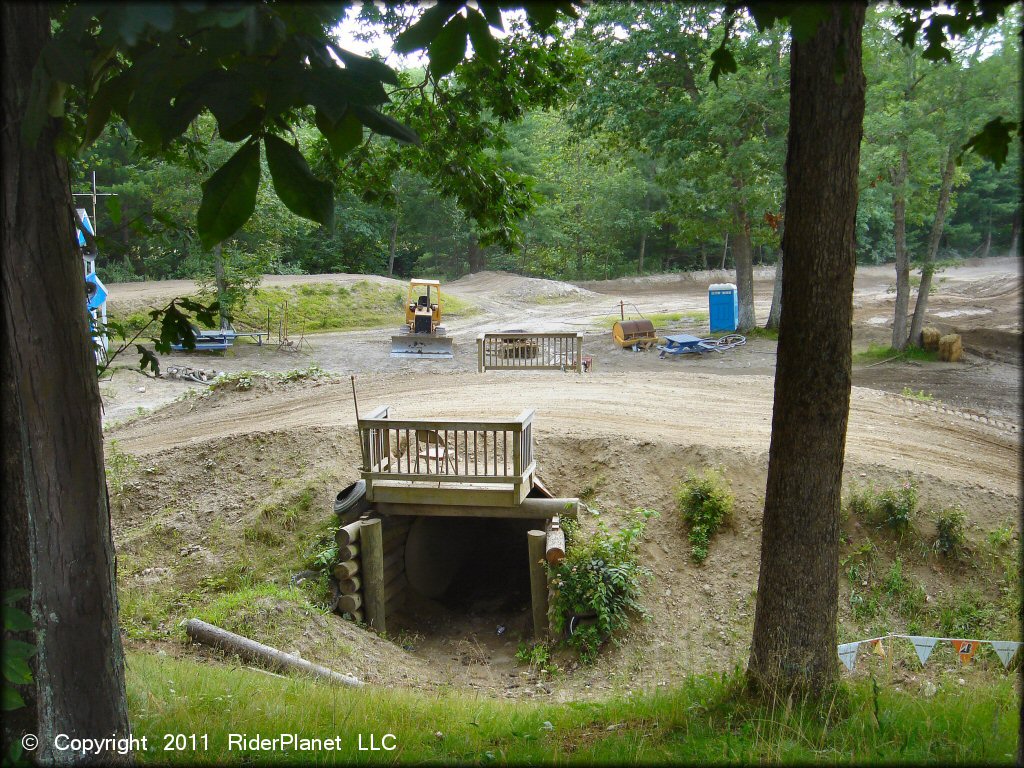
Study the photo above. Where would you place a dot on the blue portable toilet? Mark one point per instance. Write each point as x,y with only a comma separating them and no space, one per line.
723,307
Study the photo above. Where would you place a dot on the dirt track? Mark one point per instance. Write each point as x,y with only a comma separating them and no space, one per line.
629,430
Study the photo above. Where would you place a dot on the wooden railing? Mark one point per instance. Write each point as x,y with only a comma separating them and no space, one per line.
529,351
430,457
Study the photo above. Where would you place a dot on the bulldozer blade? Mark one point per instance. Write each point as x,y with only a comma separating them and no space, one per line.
422,346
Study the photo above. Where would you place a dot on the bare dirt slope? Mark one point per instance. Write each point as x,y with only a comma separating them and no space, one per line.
623,436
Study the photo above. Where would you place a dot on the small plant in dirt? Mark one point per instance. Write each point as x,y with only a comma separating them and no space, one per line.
921,396
951,538
706,504
599,583
966,613
121,467
538,657
1000,536
894,508
905,594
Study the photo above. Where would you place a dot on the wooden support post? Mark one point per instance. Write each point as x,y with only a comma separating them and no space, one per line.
349,552
350,602
579,353
555,551
373,574
480,354
538,584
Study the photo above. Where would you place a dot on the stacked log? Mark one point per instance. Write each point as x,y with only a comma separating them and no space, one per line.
348,574
345,572
554,550
951,349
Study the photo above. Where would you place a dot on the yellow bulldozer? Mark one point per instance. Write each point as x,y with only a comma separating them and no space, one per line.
423,335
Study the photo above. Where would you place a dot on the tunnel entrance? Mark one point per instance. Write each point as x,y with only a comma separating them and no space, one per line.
470,565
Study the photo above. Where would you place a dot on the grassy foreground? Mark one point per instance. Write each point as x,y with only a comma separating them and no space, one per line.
704,720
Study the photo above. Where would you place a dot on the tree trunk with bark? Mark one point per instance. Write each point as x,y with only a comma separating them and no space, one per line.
725,250
222,286
899,227
928,266
391,244
743,255
794,641
1015,233
776,311
475,254
56,500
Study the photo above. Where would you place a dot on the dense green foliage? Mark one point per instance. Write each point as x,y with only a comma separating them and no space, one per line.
698,720
706,504
599,583
601,153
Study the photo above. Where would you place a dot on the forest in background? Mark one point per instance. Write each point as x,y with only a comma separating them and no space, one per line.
623,159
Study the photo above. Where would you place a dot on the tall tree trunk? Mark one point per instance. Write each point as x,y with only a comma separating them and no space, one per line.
776,311
475,254
643,247
899,228
55,503
987,247
703,255
725,250
222,286
391,244
928,266
794,641
1015,233
578,217
743,255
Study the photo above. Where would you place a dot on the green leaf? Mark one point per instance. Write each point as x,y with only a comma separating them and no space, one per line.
16,669
343,135
229,196
16,620
11,596
378,122
12,699
805,18
484,44
449,47
992,142
420,34
722,60
493,13
366,68
148,359
301,192
98,114
541,15
204,313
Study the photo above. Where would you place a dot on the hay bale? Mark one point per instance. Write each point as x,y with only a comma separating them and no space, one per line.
950,348
930,338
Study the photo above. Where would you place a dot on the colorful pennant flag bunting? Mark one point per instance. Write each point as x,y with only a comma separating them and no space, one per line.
923,646
1005,649
878,648
965,649
848,654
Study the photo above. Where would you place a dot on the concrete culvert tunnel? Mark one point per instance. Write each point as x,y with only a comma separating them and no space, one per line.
470,564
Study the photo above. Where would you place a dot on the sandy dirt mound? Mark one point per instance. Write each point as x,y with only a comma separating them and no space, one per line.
623,441
516,287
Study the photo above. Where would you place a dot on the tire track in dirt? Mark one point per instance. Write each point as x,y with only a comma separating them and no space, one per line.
671,408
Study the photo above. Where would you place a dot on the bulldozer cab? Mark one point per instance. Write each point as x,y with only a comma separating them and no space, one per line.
423,335
424,300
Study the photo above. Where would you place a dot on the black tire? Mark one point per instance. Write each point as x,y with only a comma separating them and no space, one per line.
351,503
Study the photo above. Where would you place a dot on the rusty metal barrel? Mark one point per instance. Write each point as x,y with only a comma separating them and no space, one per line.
629,332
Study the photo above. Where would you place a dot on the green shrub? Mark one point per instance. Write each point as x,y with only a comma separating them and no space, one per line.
706,504
121,468
965,614
537,656
895,507
951,540
600,577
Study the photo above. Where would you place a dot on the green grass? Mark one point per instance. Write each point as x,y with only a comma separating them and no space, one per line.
706,719
315,307
877,353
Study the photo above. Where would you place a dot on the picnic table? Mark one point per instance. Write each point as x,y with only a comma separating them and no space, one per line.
683,343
